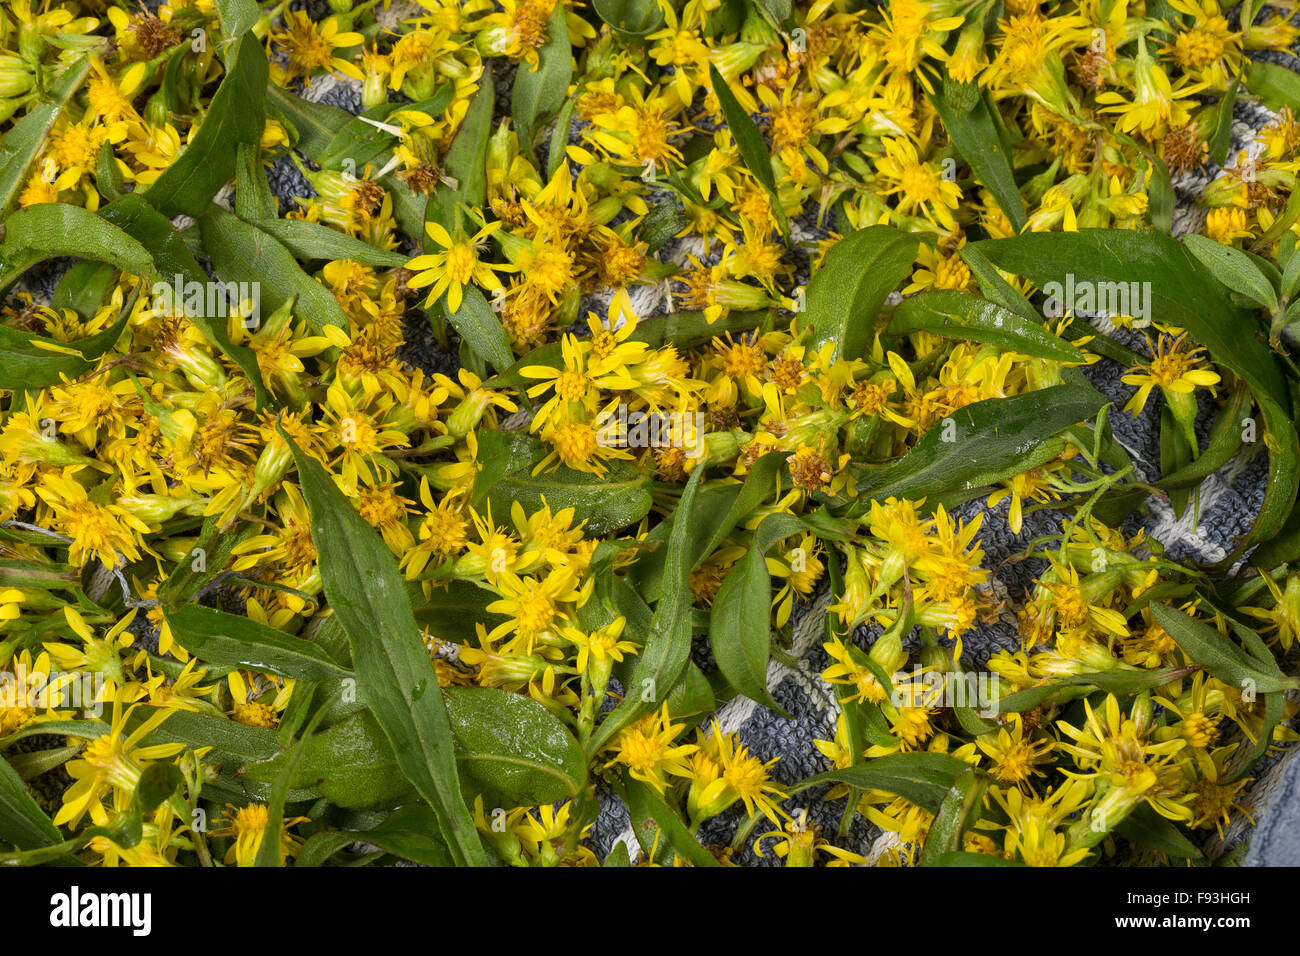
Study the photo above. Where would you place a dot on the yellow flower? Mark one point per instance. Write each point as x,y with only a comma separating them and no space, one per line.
649,751
310,46
1175,368
456,266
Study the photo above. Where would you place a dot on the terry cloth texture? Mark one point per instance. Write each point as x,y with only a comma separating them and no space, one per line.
1228,503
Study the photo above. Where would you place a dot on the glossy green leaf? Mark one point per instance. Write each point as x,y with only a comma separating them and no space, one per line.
479,327
236,115
540,91
511,750
958,315
1276,85
845,295
222,638
650,814
631,18
395,675
959,811
608,503
1234,268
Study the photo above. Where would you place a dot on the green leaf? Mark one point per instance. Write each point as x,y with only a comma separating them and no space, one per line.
22,822
958,315
253,199
963,858
667,650
230,639
1148,828
236,115
208,558
232,743
479,327
83,287
108,175
749,141
1223,124
394,672
312,240
158,782
959,811
719,507
313,124
25,364
1235,269
985,442
608,503
410,832
922,778
360,142
740,623
650,813
1222,658
466,160
58,229
237,17
24,142
453,609
1276,85
135,217
540,91
845,295
976,136
511,750
241,252
630,18
270,851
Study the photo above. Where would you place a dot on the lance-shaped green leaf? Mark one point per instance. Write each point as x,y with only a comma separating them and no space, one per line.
236,115
1222,135
34,361
241,252
222,638
1122,683
466,161
976,136
479,327
540,91
1235,269
23,143
719,507
22,822
135,217
253,198
959,315
58,229
985,442
740,629
959,811
1146,827
232,743
363,138
668,648
1203,644
237,17
608,502
650,814
394,672
749,141
312,125
846,293
922,778
312,240
1276,85
83,287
